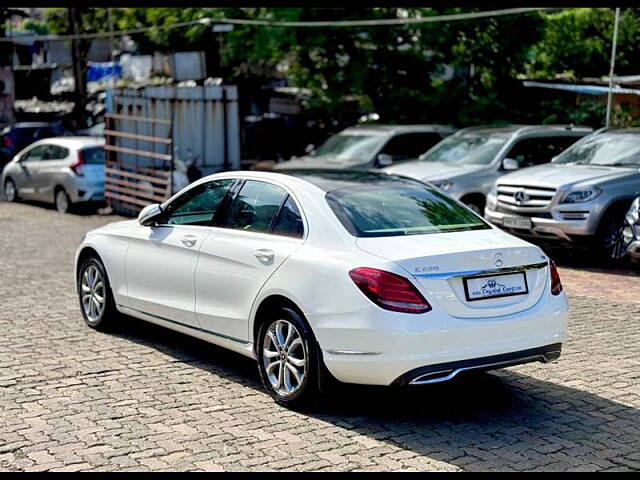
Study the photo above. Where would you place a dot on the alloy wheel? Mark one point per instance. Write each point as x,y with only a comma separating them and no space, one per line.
62,201
614,241
10,191
92,293
284,357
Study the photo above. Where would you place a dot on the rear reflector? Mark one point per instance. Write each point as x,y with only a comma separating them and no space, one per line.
389,291
556,284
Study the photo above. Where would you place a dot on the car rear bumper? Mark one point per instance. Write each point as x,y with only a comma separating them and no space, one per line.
446,371
376,347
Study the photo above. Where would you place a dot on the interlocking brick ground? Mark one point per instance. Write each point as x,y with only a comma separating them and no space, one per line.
144,398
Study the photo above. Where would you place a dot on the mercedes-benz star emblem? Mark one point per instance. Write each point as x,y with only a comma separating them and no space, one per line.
497,260
521,196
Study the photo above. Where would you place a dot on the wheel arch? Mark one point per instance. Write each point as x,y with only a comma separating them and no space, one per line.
474,197
269,304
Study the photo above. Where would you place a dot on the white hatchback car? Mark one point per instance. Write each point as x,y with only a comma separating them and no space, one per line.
364,277
61,170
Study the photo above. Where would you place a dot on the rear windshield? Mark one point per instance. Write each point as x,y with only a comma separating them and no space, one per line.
93,155
372,211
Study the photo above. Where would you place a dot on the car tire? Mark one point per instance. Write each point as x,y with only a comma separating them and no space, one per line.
278,361
609,241
61,201
10,191
96,299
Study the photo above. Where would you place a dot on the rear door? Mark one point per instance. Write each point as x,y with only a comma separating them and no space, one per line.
260,229
54,159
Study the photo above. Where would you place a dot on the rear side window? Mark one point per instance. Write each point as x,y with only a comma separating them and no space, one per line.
289,221
410,145
255,207
401,209
537,151
93,155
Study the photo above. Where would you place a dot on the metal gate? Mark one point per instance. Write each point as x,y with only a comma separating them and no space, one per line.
130,186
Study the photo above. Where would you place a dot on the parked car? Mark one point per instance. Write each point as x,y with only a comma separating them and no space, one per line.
631,233
64,170
20,135
371,146
580,197
466,164
364,277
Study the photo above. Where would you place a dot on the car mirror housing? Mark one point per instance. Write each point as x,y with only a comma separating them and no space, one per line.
385,160
510,164
149,214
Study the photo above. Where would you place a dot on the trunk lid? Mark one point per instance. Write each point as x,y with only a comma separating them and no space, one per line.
439,263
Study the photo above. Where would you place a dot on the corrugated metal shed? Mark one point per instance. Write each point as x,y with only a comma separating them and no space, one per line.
204,125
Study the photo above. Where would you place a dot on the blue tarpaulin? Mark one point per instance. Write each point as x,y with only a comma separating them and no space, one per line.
101,71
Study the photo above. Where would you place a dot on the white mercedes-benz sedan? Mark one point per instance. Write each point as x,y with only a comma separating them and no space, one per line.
363,277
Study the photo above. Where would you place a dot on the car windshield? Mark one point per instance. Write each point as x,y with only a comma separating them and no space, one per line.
399,209
613,149
350,147
468,148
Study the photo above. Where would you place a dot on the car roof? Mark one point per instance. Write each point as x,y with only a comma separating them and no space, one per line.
328,179
394,129
632,130
74,142
519,129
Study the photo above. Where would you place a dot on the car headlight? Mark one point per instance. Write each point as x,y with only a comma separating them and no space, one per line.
584,195
443,185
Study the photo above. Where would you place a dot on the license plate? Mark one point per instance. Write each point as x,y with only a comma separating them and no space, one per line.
495,286
517,222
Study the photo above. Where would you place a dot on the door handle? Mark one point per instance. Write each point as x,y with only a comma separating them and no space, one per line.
189,240
264,255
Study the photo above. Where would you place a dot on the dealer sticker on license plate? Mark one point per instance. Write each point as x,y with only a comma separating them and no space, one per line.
494,286
517,222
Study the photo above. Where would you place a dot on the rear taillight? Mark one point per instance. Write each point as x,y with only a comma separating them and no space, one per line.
78,163
389,291
556,284
8,142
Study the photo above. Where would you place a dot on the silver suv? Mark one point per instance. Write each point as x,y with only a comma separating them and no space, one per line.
61,170
466,164
580,197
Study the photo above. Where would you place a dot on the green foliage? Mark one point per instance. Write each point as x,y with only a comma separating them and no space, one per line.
397,71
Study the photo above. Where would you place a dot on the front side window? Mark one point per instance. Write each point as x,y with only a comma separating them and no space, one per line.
255,207
399,209
537,151
468,148
36,154
198,205
605,149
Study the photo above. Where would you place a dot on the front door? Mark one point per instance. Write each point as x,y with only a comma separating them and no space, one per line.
161,259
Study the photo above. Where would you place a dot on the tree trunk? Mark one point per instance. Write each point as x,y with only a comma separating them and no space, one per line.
79,54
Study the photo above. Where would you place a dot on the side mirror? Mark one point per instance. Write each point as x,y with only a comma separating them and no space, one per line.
149,213
384,160
510,164
309,149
